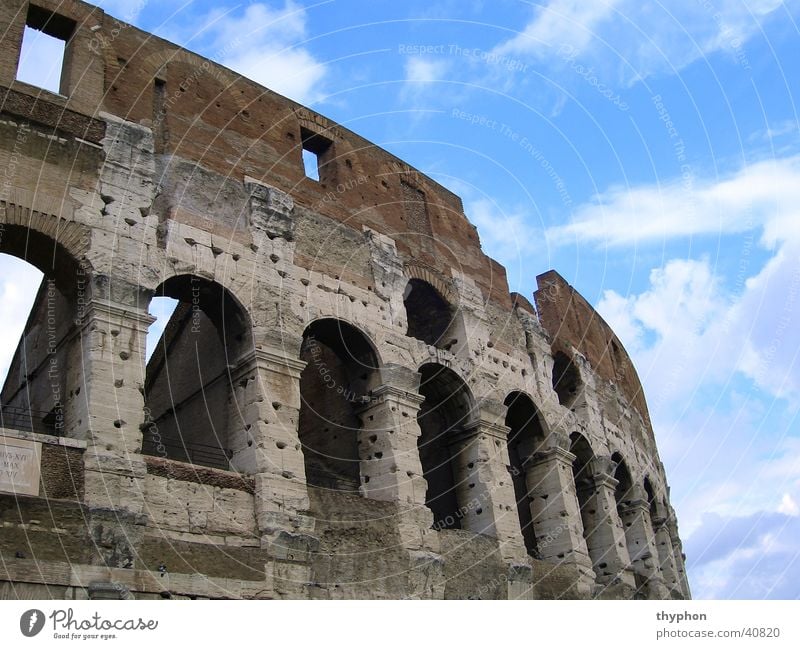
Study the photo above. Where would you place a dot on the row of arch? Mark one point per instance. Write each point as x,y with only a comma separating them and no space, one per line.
192,414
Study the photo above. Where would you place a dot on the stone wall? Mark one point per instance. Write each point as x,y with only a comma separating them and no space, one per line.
157,172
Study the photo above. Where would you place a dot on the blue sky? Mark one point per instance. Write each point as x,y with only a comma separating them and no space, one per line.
650,152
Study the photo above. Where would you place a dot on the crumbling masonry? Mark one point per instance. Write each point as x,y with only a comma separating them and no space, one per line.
347,401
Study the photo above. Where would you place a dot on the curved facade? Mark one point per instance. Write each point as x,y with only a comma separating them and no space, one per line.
347,401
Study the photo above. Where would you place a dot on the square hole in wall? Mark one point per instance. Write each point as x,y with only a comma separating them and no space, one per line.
44,47
311,164
316,154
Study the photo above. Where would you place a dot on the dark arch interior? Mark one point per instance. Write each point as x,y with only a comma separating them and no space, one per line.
651,498
190,408
447,409
428,314
623,477
566,379
524,439
582,474
341,367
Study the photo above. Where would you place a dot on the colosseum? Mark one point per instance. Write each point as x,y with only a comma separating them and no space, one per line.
347,401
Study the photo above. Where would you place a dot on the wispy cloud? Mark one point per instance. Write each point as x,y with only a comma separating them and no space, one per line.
746,557
765,194
641,39
262,43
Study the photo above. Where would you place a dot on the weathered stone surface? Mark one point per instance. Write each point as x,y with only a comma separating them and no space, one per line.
345,361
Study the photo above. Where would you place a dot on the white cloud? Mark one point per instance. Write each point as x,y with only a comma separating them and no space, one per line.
789,506
672,330
262,43
765,194
560,22
420,77
507,236
641,39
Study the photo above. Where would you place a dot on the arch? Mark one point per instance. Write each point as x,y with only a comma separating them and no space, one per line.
448,409
50,255
624,481
342,366
191,413
651,499
428,314
434,279
566,379
583,467
525,438
40,389
583,464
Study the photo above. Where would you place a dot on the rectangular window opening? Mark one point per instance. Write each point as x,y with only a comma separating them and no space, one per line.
316,154
44,48
311,164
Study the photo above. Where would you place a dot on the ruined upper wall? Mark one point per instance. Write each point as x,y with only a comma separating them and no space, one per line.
205,114
572,323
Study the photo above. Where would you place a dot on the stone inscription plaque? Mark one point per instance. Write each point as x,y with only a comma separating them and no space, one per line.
19,466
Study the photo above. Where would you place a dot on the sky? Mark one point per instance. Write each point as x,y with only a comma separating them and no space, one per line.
649,152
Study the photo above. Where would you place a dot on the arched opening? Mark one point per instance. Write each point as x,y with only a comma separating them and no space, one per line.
446,412
651,501
524,439
624,482
635,539
40,352
190,408
582,470
428,314
341,369
566,379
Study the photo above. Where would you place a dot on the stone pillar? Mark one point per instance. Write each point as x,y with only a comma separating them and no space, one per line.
267,394
666,558
105,405
604,535
484,488
635,516
556,513
390,465
680,562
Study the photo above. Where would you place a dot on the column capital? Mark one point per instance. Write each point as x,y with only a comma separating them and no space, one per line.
386,391
270,359
556,453
108,310
602,479
634,505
